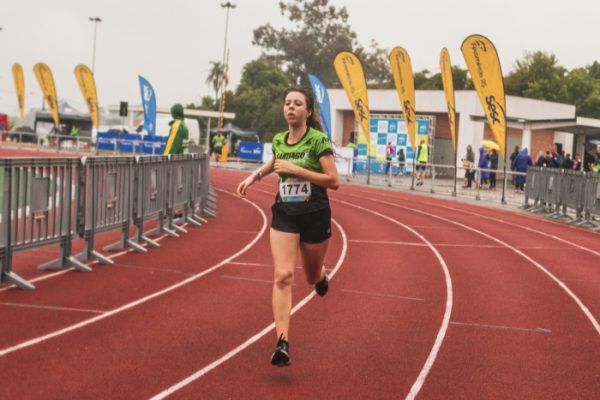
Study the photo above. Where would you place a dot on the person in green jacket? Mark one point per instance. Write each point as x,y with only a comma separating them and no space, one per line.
178,135
422,157
218,141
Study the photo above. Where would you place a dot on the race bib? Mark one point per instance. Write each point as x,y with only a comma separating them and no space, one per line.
294,191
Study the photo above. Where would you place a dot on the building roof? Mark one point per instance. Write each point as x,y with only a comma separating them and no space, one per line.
577,125
187,112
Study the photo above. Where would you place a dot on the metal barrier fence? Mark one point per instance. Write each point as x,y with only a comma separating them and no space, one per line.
439,178
571,195
52,201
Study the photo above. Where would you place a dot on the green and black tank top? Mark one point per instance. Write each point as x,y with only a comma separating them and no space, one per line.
296,196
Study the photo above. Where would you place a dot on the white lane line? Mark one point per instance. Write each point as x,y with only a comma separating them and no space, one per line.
198,374
519,226
416,387
231,231
376,294
144,299
560,283
387,242
244,264
174,271
512,224
241,278
53,308
249,264
491,208
489,246
511,328
64,271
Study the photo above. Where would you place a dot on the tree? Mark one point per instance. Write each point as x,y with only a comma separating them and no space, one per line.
258,102
377,66
318,32
215,78
537,75
461,79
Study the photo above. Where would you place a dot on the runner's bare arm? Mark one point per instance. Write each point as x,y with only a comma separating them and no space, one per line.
257,175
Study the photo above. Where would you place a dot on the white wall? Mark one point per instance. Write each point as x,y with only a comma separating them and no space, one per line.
467,105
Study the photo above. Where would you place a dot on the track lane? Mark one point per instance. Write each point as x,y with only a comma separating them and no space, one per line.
197,322
506,292
356,302
575,269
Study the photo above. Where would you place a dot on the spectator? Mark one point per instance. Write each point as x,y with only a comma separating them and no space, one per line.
512,158
568,163
595,165
521,164
422,158
577,162
468,163
493,156
484,173
389,153
541,160
401,162
178,134
218,142
549,160
557,159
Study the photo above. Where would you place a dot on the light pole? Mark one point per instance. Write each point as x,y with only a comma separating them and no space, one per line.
229,5
95,20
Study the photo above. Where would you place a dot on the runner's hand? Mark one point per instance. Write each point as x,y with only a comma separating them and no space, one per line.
244,185
286,167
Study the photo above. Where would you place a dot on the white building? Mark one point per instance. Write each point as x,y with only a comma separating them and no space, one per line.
534,124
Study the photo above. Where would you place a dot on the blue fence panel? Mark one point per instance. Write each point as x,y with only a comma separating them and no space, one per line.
250,151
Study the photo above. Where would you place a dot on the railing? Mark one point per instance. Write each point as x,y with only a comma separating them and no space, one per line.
439,178
561,194
52,201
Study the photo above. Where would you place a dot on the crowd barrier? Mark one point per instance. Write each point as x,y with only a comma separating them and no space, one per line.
439,179
570,195
53,201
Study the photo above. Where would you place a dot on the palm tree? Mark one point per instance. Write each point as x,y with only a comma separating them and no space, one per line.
215,78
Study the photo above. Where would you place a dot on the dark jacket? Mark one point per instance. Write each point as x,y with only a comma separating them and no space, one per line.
521,164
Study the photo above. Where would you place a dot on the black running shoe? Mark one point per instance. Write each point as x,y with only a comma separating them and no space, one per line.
322,286
281,355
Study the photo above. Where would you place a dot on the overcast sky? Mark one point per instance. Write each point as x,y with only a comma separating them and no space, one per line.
170,42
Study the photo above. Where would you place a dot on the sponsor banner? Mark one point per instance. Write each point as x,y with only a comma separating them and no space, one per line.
448,83
149,104
19,79
484,67
389,129
46,81
250,151
85,80
322,99
405,86
351,74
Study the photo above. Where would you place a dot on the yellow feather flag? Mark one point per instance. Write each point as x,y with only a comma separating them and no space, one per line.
352,77
46,82
17,71
405,86
85,79
484,66
447,81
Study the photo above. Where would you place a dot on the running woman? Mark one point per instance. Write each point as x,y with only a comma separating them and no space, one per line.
304,162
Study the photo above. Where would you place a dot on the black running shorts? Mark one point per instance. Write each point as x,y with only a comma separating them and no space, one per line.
313,227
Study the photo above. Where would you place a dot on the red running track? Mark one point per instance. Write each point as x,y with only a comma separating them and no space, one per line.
431,298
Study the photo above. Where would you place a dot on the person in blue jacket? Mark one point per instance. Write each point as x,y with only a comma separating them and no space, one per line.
484,176
521,163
